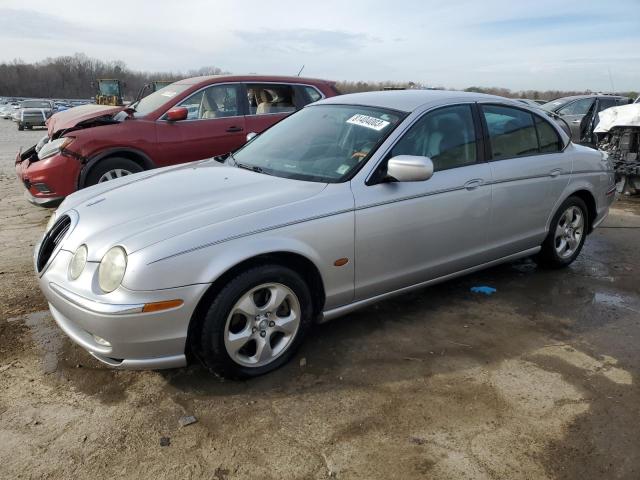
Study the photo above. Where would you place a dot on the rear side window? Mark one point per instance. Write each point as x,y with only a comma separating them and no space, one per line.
511,132
548,136
270,98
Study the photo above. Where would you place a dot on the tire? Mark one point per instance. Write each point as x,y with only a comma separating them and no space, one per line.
562,245
118,165
234,360
20,127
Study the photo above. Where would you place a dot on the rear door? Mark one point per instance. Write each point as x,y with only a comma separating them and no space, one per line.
529,173
268,103
215,126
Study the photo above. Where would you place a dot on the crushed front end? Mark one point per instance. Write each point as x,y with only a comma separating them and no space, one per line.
48,178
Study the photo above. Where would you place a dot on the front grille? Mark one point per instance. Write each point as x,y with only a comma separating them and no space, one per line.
51,240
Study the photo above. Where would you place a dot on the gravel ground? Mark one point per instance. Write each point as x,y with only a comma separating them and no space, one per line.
537,381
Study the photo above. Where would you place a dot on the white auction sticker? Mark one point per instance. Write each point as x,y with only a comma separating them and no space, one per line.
367,121
169,94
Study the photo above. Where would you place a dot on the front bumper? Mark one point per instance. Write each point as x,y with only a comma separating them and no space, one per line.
49,181
136,340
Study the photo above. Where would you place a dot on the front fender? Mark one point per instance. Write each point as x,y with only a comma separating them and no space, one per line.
322,241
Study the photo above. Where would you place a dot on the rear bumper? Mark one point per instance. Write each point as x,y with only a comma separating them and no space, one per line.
49,181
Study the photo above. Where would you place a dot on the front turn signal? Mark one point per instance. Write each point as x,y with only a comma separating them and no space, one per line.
159,306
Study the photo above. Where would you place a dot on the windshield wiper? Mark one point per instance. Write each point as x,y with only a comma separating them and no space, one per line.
253,168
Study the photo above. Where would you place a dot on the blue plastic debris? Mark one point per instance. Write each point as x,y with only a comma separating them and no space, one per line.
484,289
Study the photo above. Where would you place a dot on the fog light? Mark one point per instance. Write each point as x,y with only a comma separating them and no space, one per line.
42,188
101,341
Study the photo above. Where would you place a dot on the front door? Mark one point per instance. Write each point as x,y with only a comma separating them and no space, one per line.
410,232
215,126
573,113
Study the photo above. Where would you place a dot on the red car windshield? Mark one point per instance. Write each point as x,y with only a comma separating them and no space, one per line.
158,98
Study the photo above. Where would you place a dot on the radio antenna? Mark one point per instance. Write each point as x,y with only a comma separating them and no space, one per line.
300,71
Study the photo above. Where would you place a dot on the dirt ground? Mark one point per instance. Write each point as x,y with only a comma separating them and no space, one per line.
538,381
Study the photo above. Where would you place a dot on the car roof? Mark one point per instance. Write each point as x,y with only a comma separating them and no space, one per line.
410,100
586,95
205,80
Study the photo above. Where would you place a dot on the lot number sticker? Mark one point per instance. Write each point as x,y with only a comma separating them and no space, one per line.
368,122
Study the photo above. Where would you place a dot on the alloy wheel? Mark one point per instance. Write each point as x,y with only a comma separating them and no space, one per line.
113,174
569,232
262,324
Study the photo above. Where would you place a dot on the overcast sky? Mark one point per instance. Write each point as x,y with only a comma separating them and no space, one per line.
572,44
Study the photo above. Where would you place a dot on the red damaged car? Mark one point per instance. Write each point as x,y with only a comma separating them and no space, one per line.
191,119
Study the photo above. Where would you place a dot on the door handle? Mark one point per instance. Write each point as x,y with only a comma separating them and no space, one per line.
235,129
473,184
555,172
577,121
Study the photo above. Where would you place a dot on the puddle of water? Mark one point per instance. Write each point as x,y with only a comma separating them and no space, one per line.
616,300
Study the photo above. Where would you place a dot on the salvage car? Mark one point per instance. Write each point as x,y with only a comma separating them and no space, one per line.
347,202
188,120
579,110
34,113
618,135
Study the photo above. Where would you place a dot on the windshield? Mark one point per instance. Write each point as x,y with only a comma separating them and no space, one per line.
35,104
322,143
158,98
554,105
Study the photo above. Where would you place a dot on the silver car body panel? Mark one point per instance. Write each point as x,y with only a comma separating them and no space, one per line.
199,220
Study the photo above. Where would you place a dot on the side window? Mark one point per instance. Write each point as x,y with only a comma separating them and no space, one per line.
446,135
511,132
605,103
579,107
548,137
270,98
213,102
312,93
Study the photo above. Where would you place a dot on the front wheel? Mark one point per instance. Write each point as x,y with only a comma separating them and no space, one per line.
20,127
255,323
567,233
110,169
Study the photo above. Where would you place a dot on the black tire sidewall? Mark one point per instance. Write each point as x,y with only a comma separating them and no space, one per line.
548,256
110,163
210,343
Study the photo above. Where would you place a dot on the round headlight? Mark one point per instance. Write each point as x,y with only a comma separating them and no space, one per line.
52,220
111,269
78,262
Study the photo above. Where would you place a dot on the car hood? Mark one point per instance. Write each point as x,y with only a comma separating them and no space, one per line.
623,116
147,208
73,116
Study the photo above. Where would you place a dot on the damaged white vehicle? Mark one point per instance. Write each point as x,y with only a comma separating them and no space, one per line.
618,134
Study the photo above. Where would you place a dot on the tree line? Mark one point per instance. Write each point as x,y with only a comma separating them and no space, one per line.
75,76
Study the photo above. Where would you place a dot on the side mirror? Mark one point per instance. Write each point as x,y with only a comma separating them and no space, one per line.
251,136
409,168
177,113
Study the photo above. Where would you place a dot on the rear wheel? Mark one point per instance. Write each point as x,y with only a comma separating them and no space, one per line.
110,169
567,233
255,323
20,126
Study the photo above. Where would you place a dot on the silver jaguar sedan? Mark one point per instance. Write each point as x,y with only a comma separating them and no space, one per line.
347,202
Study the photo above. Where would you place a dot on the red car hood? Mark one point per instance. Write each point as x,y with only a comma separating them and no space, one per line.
70,118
